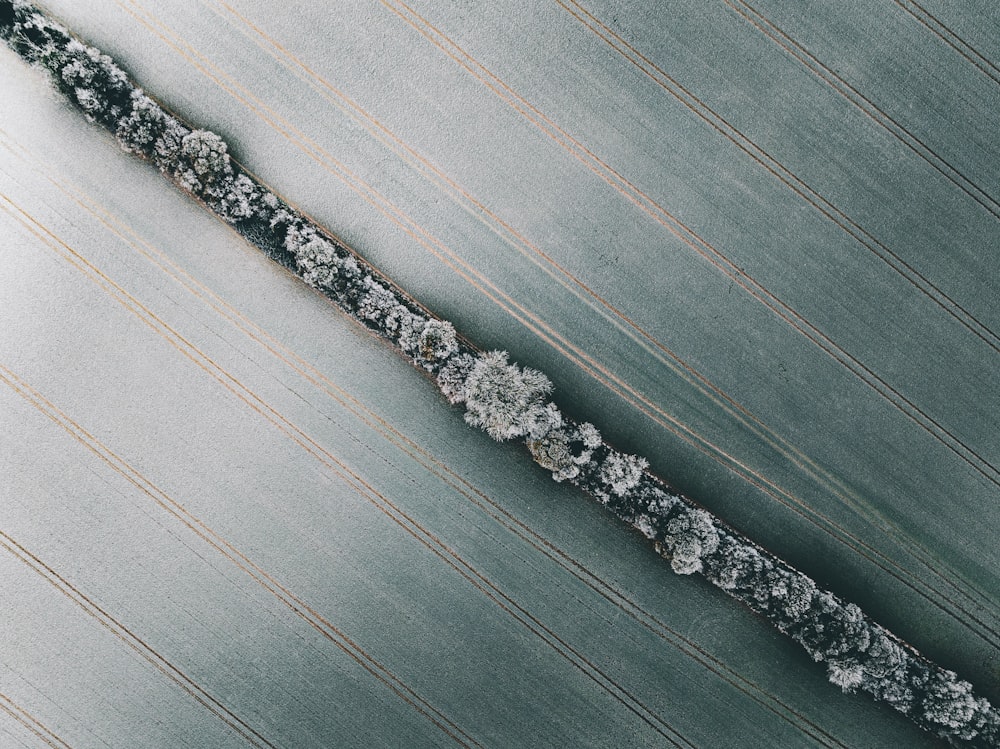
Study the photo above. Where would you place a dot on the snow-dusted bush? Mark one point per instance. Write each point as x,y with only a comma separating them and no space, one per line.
790,595
506,400
98,86
948,704
317,262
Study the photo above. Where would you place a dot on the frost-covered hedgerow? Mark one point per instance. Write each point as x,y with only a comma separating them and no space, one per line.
506,400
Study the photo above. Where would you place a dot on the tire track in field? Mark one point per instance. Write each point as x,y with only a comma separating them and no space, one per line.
33,724
125,635
484,503
331,463
534,323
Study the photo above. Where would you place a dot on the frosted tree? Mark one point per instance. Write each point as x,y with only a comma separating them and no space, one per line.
202,163
453,375
434,344
689,535
237,198
150,131
98,86
567,449
507,401
621,472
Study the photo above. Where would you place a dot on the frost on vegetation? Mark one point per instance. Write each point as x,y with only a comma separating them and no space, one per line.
621,472
588,435
237,198
88,77
646,525
321,264
791,594
379,305
507,401
950,707
100,87
653,511
689,536
742,568
138,131
151,131
201,164
886,656
784,595
847,677
435,343
316,260
847,631
382,309
453,376
833,630
566,448
203,161
406,329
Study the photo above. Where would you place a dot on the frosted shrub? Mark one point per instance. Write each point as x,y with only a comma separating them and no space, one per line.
405,327
138,132
588,435
100,87
948,703
378,303
848,678
847,633
743,571
316,261
381,308
168,144
540,422
657,503
791,594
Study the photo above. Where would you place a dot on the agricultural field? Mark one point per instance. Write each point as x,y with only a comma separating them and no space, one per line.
752,243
